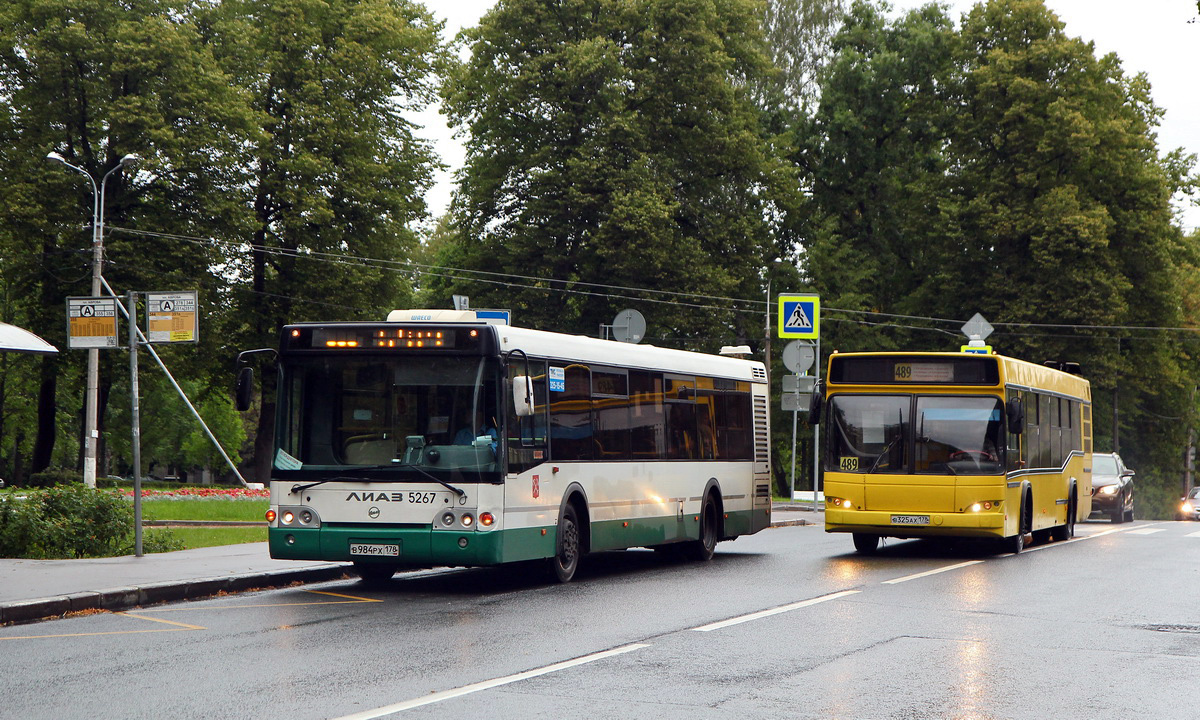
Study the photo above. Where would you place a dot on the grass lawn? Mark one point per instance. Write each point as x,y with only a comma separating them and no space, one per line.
204,509
198,537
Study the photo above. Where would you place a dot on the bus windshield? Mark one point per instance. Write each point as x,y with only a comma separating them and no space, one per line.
948,435
419,414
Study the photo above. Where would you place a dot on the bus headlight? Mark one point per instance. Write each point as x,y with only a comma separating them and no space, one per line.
467,520
837,502
295,517
486,519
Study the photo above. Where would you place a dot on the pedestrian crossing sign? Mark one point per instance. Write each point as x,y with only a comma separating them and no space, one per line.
800,316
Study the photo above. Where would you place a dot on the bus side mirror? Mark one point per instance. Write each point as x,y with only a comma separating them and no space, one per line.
815,404
245,389
1016,416
523,395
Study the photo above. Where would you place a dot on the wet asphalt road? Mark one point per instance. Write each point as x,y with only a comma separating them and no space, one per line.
787,623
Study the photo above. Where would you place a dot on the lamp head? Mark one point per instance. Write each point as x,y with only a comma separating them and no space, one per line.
129,160
56,158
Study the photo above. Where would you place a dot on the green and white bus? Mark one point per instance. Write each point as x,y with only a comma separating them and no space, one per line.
440,439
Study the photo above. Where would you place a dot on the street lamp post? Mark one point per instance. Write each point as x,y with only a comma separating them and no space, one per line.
90,434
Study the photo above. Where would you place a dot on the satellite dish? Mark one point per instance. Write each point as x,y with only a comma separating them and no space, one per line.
629,326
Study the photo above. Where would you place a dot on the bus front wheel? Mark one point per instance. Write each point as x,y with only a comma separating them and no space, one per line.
866,543
566,555
374,573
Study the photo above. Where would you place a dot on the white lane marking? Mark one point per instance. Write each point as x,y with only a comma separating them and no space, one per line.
1195,534
927,573
488,684
773,611
1144,531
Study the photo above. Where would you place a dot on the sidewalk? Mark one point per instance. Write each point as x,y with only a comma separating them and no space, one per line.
36,589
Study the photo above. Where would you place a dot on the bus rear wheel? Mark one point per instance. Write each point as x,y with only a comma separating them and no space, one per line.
566,555
704,548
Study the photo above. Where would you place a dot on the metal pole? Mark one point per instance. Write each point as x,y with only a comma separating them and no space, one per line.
91,434
817,433
154,354
793,497
135,424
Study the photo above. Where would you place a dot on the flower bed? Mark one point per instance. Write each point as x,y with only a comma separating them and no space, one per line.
209,493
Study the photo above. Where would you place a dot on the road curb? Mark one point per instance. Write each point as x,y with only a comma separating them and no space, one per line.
124,598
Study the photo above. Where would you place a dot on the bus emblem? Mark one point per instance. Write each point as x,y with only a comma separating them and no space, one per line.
537,489
373,513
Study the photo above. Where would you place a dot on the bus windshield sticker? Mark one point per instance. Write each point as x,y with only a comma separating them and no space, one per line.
283,461
849,463
558,379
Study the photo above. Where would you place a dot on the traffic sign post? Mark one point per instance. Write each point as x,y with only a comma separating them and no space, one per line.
800,318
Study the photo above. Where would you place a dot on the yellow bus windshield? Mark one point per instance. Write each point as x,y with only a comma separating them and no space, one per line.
924,434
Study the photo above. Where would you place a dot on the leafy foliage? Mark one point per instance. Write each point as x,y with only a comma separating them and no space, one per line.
70,522
611,144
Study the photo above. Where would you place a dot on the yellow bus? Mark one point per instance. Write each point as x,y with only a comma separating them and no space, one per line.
954,445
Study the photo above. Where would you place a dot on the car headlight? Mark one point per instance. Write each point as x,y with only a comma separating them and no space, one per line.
1109,490
1186,507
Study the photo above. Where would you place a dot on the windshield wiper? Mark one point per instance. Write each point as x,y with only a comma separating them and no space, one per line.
300,488
457,491
886,449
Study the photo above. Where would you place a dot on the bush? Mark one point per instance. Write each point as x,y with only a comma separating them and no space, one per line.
53,477
69,521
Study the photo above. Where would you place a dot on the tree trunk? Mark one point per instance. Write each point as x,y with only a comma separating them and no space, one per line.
43,444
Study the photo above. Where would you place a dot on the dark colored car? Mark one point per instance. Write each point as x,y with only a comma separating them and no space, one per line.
1112,487
1189,507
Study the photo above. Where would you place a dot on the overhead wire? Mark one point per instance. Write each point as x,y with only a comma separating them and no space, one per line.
664,297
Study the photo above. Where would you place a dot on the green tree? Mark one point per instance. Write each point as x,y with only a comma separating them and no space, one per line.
613,143
1004,168
874,156
338,169
95,80
799,34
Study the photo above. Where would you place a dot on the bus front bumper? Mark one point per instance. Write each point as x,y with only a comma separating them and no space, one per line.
407,546
908,524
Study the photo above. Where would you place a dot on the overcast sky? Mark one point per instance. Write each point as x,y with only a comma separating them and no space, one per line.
1158,37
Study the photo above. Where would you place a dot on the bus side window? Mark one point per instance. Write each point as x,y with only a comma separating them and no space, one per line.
571,416
683,442
527,435
1014,441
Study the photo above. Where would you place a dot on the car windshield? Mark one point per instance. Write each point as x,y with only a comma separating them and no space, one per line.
355,414
1195,493
1104,465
